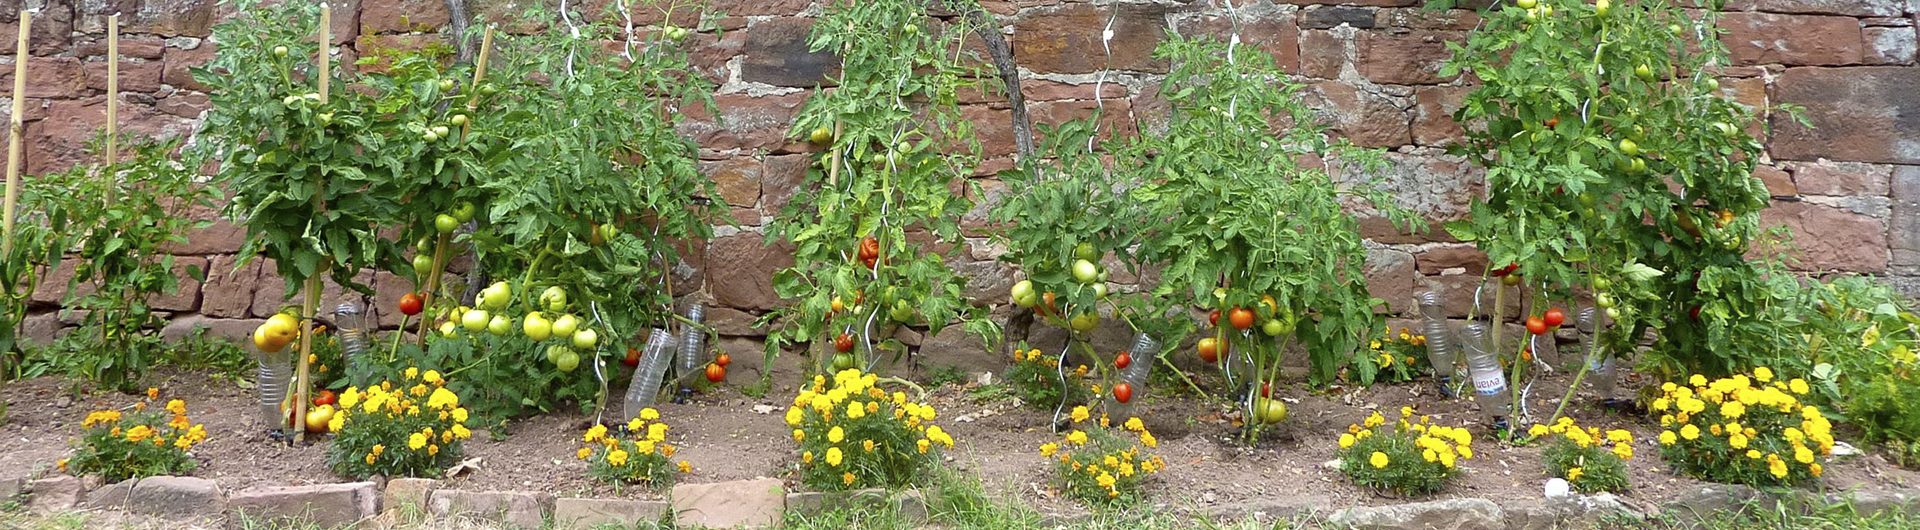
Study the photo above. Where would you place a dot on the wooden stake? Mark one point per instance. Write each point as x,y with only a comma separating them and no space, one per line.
113,104
311,304
16,130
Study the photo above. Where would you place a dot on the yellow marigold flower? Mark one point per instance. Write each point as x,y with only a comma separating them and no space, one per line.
583,453
1574,473
1106,480
1080,414
1762,374
806,457
847,478
370,458
433,450
1620,436
461,432
1077,438
1732,409
1466,452
1379,460
1406,412
922,445
183,443
153,392
412,373
139,433
1778,468
645,447
833,456
1537,430
1737,440
866,445
1624,451
1135,425
181,422
1147,439
1690,432
1802,455
1429,455
432,378
594,434
799,435
416,441
177,407
1715,429
1815,469
657,432
1047,449
855,411
1698,380
1797,386
443,399
617,457
793,417
836,435
1346,440
934,433
1375,420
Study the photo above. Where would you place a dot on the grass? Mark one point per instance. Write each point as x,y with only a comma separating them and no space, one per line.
961,502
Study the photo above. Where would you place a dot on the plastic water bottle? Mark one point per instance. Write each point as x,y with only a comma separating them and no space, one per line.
693,340
654,361
276,372
1139,366
1600,364
1442,352
354,335
1489,382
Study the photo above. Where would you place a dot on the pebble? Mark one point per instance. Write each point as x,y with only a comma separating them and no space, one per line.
1558,487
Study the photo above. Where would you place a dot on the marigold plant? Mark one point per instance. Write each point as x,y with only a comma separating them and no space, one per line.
136,444
1098,464
1413,456
1398,358
642,457
852,434
1743,430
1590,460
1036,378
412,428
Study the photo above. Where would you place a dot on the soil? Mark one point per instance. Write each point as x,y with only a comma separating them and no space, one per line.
729,436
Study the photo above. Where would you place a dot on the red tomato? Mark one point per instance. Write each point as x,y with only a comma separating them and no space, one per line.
1209,350
326,397
411,304
1241,318
1536,326
1121,361
1551,122
869,248
1506,270
1123,392
633,357
723,359
716,373
1266,390
1555,317
843,343
1695,312
1213,319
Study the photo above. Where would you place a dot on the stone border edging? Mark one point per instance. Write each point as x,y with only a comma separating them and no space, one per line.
763,502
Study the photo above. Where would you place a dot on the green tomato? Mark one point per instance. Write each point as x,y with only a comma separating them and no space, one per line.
1274,327
446,85
449,329
422,265
1086,251
564,326
1084,322
844,361
1628,147
476,320
1644,72
1022,293
1713,85
495,296
1526,4
1613,314
585,339
821,136
567,361
1100,291
1602,284
1603,301
445,224
464,211
424,244
280,51
536,327
554,299
1085,271
902,312
1600,7
499,325
458,120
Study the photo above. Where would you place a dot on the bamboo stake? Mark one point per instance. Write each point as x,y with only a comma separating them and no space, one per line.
440,257
311,304
16,130
113,104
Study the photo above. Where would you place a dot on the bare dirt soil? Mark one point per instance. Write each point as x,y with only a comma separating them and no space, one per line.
729,436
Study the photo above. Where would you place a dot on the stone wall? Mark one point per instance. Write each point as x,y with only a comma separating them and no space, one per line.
1849,187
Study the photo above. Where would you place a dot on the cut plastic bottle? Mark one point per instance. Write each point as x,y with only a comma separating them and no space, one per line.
1489,382
1442,350
693,340
1600,366
1139,366
654,360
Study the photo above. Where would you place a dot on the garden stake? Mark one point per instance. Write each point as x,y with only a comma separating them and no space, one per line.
113,102
311,302
15,131
440,244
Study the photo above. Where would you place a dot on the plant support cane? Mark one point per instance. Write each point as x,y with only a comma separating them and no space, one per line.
311,299
440,258
15,130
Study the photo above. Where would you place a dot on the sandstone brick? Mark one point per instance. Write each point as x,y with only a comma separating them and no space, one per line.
50,77
1889,45
54,494
1066,39
1323,17
1276,34
402,16
325,505
737,180
1462,17
778,55
135,76
513,508
404,492
1410,58
1367,118
184,104
52,30
1467,257
1840,178
1858,114
732,322
172,18
595,513
954,346
180,62
1827,238
228,292
744,278
1390,275
130,46
759,7
1779,183
756,503
1769,38
1433,109
1903,226
1045,90
781,175
179,498
190,270
43,328
1752,92
744,122
1860,8
60,141
237,330
993,127
1457,294
1322,54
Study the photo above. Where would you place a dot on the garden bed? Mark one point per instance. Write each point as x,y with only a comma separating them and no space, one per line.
727,439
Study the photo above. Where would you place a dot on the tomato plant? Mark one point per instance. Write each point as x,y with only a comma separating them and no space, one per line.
1615,165
897,151
1210,186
